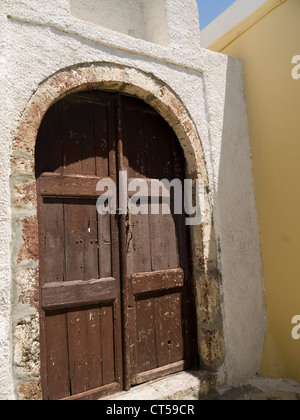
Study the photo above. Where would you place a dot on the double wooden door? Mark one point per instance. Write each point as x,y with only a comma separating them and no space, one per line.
116,298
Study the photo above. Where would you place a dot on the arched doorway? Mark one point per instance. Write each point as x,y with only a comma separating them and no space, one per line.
117,302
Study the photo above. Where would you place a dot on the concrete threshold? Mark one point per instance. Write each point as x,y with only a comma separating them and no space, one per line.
261,389
190,385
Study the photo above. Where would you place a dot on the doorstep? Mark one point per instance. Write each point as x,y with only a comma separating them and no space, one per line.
190,385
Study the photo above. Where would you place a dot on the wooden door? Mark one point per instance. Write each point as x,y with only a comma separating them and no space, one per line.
117,305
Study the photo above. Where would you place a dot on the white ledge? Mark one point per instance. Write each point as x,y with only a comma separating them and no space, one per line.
172,54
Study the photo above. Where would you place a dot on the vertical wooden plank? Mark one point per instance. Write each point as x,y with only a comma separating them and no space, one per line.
107,344
175,333
94,351
101,126
90,237
57,355
163,240
72,138
78,137
169,334
181,228
145,332
49,157
133,141
85,352
105,245
54,240
74,240
162,328
88,151
78,362
81,240
94,333
159,160
139,244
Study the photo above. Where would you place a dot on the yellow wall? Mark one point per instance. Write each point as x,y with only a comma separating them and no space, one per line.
273,100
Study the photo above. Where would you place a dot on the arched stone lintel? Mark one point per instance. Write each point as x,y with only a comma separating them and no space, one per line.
121,79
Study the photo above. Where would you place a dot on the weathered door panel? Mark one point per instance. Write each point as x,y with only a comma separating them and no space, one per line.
161,334
80,274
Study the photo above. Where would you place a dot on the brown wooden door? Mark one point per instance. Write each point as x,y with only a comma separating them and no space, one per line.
116,297
159,306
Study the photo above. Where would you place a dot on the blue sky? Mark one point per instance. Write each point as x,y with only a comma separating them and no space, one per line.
210,9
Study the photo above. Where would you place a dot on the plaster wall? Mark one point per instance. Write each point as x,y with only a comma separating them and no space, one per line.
140,18
6,384
273,102
41,42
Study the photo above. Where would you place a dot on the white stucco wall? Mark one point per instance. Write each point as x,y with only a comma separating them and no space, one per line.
142,19
38,39
235,219
6,382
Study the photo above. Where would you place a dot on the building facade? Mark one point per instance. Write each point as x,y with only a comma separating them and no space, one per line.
151,52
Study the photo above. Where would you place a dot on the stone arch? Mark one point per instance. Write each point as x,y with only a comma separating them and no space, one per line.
25,248
122,79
